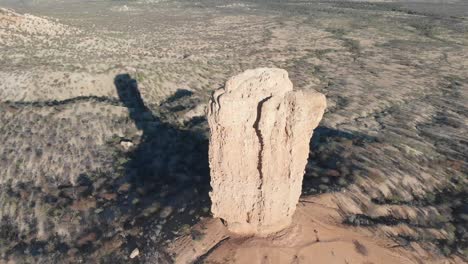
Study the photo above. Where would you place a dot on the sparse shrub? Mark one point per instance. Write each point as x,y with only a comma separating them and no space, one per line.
424,27
353,46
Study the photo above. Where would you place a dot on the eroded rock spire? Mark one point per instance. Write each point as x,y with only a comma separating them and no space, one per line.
259,144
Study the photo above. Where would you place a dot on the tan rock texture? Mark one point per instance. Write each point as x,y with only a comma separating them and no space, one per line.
259,145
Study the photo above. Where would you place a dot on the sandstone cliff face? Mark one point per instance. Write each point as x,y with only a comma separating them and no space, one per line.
259,144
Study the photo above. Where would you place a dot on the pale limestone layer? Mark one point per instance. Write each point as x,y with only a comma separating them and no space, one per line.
259,144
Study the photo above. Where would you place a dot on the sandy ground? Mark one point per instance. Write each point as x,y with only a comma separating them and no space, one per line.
317,235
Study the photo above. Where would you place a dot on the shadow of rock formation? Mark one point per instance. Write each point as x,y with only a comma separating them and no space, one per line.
169,164
331,163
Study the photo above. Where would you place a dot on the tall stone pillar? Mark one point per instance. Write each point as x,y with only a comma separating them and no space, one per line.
259,145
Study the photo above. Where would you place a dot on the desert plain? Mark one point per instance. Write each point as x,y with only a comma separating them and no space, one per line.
104,136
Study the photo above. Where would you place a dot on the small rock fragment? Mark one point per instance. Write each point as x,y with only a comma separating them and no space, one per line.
126,144
124,187
135,253
165,212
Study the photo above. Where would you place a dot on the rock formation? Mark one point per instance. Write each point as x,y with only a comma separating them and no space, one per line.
259,145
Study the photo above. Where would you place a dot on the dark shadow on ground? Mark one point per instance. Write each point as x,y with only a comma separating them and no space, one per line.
166,172
330,166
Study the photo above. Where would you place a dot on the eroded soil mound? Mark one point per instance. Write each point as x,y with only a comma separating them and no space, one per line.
317,234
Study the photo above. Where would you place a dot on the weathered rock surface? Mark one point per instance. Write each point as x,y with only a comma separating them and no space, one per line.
259,144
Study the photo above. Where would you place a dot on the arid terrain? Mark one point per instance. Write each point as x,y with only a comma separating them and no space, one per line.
104,139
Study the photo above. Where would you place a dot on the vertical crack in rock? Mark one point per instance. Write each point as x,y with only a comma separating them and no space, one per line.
256,174
260,153
260,138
